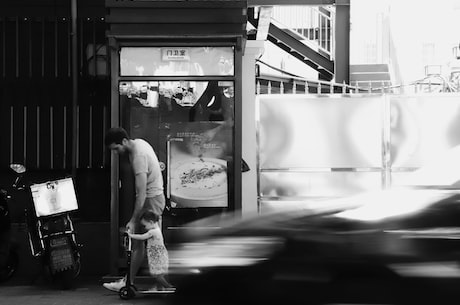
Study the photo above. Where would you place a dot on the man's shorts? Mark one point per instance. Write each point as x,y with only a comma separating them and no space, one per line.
156,205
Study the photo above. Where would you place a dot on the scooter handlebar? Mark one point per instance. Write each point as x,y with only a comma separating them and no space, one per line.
127,241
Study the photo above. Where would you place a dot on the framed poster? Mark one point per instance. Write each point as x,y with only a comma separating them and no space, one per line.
197,165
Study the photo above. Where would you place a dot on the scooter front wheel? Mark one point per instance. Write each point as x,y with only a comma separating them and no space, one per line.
127,293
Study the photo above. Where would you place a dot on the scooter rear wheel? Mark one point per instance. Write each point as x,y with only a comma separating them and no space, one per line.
127,293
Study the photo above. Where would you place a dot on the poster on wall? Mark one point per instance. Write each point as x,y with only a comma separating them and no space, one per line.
197,165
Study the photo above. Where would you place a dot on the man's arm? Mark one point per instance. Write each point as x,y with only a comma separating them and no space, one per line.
140,181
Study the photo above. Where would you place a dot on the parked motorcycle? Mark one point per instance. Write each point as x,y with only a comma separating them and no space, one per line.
51,233
9,257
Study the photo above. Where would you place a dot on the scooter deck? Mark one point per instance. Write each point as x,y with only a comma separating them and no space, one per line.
158,292
131,291
145,290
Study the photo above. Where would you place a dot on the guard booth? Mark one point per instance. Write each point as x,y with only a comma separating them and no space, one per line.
176,82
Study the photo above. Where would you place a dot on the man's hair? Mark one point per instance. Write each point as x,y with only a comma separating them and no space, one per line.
150,216
115,135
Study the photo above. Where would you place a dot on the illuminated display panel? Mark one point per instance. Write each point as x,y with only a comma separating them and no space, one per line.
190,126
54,197
423,128
296,131
317,184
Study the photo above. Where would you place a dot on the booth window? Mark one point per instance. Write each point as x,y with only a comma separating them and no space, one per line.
182,102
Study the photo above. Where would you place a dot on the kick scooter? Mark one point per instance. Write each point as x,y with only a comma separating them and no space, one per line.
129,291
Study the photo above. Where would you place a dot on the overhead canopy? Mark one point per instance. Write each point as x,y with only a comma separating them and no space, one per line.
292,2
173,19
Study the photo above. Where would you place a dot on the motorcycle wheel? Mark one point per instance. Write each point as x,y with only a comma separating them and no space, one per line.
77,268
10,267
65,278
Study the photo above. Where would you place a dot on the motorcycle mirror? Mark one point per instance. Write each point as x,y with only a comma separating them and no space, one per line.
18,168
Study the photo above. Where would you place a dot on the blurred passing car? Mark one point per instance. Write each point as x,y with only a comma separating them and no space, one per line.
381,247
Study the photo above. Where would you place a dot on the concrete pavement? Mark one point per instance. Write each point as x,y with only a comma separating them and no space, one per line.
87,291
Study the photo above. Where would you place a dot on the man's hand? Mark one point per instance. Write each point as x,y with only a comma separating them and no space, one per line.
130,226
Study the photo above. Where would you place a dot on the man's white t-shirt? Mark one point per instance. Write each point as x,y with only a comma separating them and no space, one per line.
144,160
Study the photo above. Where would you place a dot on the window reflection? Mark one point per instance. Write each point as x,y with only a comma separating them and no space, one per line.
182,101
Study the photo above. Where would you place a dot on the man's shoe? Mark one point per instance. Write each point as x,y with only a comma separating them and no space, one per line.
115,286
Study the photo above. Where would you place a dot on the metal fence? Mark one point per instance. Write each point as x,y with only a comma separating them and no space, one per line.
298,85
36,92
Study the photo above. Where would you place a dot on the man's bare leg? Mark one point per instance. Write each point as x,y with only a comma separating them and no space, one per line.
137,257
